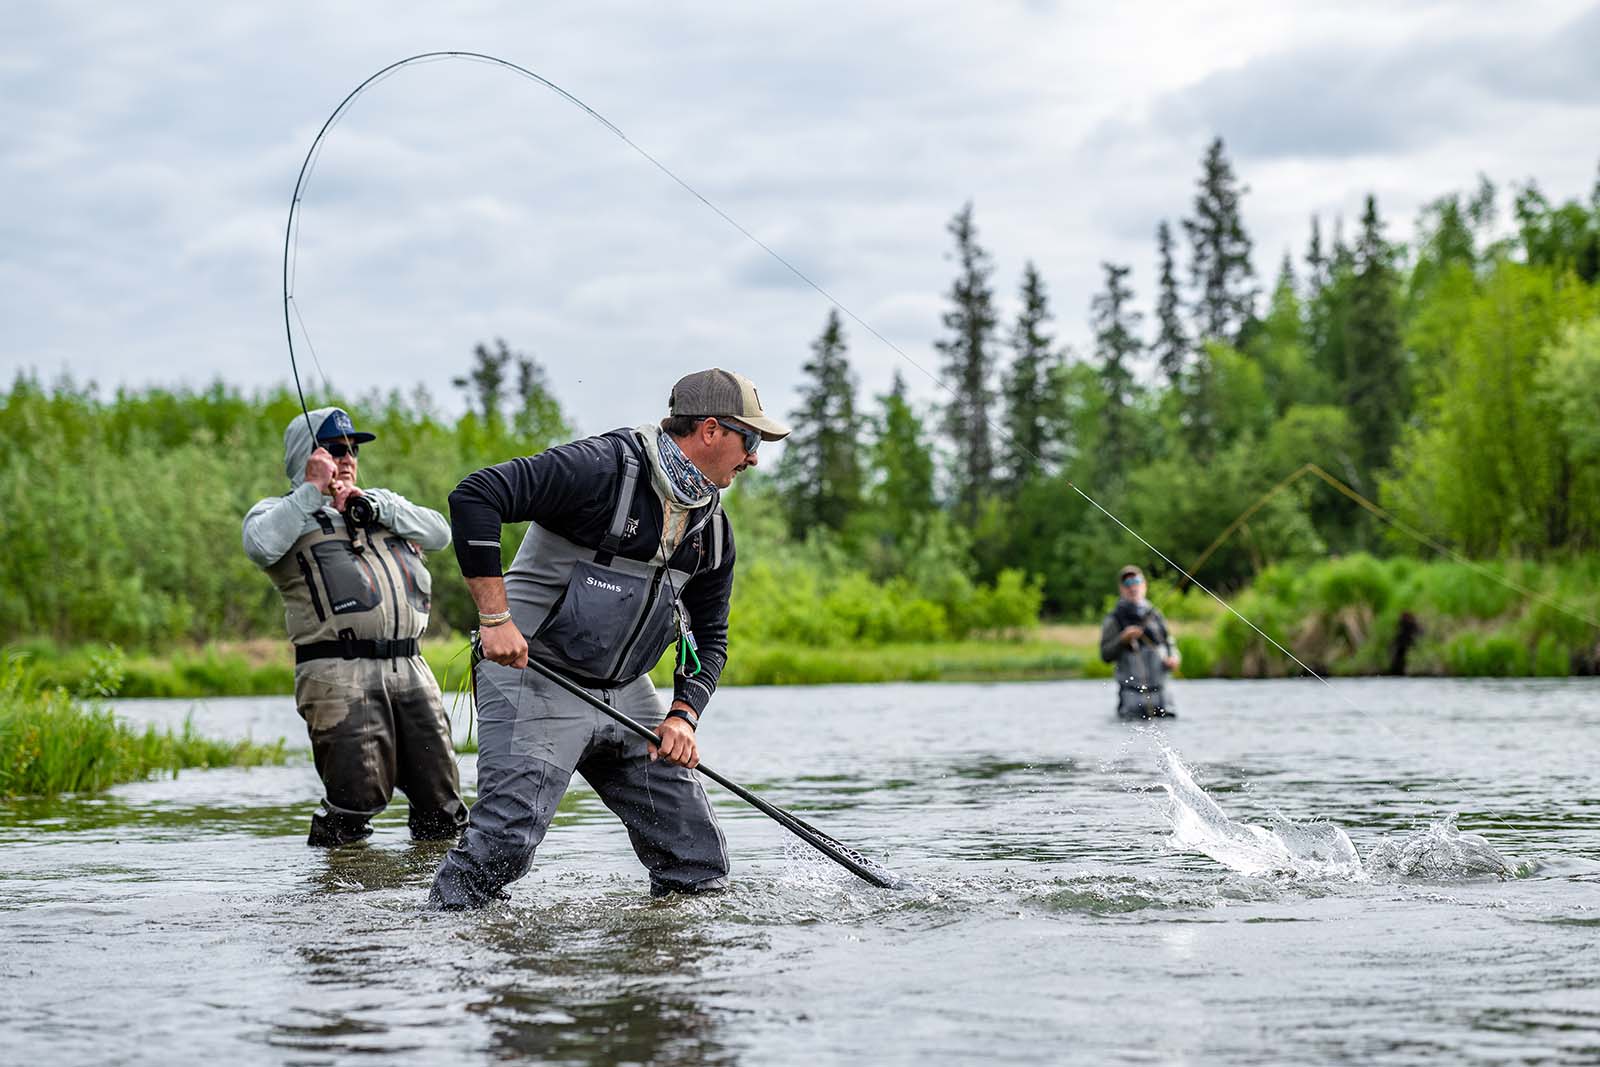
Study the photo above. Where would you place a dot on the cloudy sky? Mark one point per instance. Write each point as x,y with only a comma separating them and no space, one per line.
148,154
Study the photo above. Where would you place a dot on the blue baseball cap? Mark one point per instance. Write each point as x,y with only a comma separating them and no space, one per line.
338,424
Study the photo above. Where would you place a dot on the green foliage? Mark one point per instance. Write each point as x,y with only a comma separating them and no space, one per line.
821,471
1493,466
122,517
1475,655
1376,383
1219,264
53,742
1354,582
1196,656
1279,347
1034,407
1342,617
968,367
812,594
1171,344
900,499
1116,346
798,664
1460,377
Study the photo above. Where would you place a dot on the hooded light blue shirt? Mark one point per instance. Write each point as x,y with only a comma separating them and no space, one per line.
273,526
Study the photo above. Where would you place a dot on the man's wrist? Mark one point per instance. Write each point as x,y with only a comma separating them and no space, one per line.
686,715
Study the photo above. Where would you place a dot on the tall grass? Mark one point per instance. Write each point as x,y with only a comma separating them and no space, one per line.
52,741
1342,617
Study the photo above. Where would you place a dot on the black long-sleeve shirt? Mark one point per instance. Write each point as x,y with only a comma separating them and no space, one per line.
571,490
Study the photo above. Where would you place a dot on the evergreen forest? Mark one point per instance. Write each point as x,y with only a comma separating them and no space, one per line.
1358,399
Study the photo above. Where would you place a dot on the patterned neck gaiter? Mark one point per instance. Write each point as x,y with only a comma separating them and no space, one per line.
689,487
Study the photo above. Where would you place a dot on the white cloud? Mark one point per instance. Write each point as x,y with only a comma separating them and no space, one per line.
149,155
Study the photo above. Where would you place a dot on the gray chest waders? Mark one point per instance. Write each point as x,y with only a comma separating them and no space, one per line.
362,588
610,624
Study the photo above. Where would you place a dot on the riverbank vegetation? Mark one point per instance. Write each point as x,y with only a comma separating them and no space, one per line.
253,669
55,741
1446,393
1361,615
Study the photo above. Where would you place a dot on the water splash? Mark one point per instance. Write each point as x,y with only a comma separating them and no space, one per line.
1437,852
1317,849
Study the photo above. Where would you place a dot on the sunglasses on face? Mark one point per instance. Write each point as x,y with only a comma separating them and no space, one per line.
338,449
751,439
1132,581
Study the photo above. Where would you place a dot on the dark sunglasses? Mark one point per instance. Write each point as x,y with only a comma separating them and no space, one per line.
338,449
1133,579
751,439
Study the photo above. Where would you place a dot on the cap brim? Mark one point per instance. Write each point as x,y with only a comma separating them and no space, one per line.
770,429
360,437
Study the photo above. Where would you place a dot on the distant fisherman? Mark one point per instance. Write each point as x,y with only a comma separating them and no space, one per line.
627,551
356,595
1135,637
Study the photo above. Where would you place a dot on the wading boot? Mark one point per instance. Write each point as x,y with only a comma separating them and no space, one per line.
331,829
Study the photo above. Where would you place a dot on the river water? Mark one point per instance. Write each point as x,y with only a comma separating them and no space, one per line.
1372,872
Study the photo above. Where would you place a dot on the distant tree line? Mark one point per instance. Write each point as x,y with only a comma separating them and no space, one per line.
1456,382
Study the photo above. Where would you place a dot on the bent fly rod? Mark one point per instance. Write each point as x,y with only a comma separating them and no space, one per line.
835,850
810,834
842,854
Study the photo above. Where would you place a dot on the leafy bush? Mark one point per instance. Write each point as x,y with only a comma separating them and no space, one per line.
1343,616
53,742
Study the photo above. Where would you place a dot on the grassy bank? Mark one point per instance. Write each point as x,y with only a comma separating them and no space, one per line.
1342,617
54,742
955,661
265,667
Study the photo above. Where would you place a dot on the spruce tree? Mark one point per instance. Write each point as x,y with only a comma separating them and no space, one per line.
820,473
1317,265
1376,387
485,382
1328,314
1031,387
538,421
1116,345
902,465
968,367
1219,267
1279,347
1171,347
1319,278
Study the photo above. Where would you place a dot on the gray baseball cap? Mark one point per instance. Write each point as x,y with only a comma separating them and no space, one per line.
718,393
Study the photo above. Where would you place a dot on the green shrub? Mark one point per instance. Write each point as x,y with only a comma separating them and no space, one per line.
1357,580
52,742
1196,653
1550,658
1476,655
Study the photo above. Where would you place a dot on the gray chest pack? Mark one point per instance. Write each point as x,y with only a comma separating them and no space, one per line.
355,582
601,618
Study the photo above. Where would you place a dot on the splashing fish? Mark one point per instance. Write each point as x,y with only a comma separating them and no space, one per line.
1439,851
1320,849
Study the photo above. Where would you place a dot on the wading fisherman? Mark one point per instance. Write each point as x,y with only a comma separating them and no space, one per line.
627,552
1135,637
348,564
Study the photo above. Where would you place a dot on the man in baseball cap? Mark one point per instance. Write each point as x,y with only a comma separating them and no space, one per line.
718,393
627,553
1135,637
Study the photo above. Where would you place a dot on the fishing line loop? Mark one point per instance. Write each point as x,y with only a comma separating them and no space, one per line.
290,257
